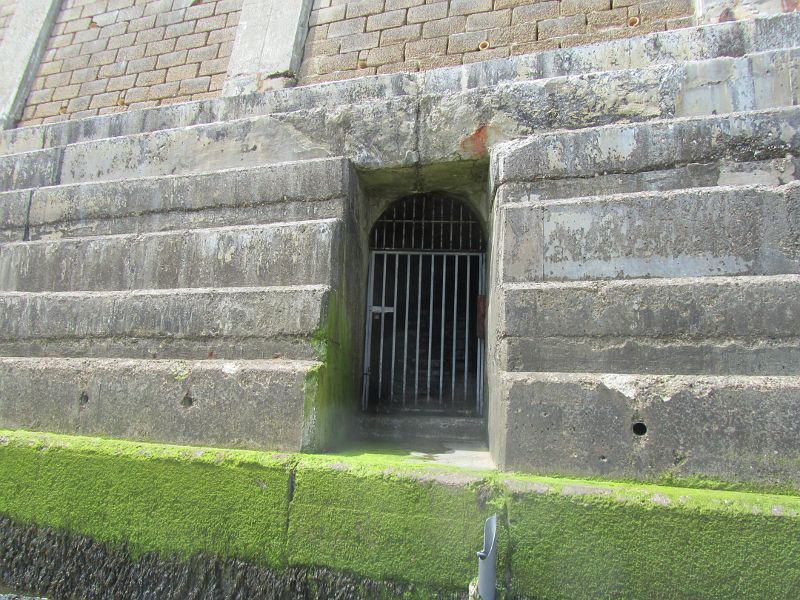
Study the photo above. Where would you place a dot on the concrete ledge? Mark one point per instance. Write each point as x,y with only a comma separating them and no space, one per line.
648,146
720,428
242,404
694,308
295,191
707,173
653,234
670,325
465,124
280,254
180,323
395,521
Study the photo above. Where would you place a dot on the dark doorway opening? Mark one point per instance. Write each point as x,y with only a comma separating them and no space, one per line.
424,346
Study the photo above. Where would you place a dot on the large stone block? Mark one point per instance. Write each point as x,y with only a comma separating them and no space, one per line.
648,146
371,135
232,404
186,323
723,172
724,428
688,233
300,253
693,325
296,191
14,215
29,169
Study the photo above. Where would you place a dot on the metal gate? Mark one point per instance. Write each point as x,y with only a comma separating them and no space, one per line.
424,343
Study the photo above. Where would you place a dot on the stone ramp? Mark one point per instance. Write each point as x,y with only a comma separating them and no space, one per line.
646,294
140,294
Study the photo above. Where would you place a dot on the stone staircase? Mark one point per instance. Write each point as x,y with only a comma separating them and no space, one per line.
648,293
186,310
194,273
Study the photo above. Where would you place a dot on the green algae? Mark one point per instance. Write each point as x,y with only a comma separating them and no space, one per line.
394,518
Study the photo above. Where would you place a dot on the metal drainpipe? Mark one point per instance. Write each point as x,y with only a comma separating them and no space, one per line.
487,561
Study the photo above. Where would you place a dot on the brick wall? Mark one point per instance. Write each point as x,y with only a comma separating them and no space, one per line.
6,12
113,55
355,38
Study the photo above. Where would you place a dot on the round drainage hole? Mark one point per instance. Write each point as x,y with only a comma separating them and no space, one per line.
639,428
83,399
187,400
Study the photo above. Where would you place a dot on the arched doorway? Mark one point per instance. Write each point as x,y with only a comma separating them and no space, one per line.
424,343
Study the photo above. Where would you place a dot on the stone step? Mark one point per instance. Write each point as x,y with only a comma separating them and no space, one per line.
733,39
400,428
705,173
480,118
705,325
638,426
711,231
651,146
296,191
402,131
279,254
238,323
230,404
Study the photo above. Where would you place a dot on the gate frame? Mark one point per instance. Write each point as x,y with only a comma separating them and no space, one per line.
371,306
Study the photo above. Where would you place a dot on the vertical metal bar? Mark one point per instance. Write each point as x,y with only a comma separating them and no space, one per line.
481,342
466,328
413,223
455,322
405,334
394,326
383,312
430,323
368,332
422,245
405,218
441,338
461,227
451,227
419,315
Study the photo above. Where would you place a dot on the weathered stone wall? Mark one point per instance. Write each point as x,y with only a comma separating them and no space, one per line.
356,38
113,55
6,12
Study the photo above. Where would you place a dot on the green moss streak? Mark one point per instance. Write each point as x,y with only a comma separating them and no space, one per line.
329,387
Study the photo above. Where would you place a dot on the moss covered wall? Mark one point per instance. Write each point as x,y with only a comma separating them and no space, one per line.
386,519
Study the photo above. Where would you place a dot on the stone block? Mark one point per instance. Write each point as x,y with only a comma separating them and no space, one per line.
465,7
399,35
653,234
427,12
244,404
650,146
348,27
721,428
550,28
255,256
488,20
295,191
182,324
